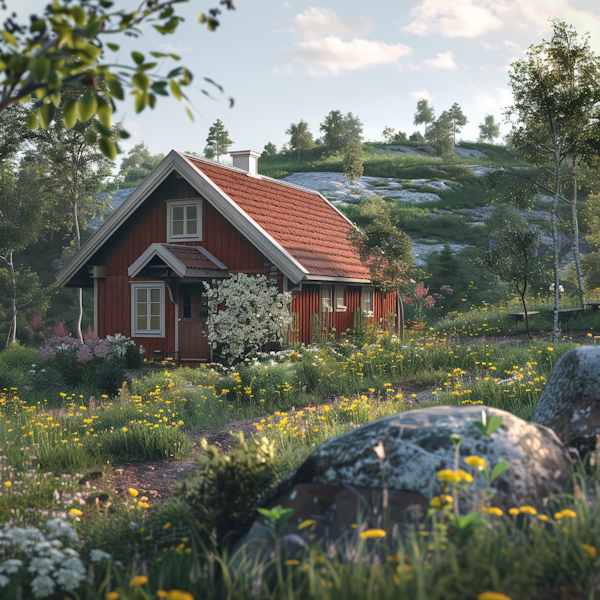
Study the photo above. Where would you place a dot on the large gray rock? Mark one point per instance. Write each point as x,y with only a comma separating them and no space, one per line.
570,403
417,445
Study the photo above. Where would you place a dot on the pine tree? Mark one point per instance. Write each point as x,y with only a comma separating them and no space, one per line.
217,142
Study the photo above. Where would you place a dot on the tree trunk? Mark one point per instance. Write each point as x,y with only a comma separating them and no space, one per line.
12,332
79,290
576,240
554,221
400,317
525,314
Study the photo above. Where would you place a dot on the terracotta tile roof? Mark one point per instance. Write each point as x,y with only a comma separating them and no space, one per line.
192,258
305,224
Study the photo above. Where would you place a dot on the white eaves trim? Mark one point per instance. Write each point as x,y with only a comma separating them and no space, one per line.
157,250
272,249
110,226
340,280
212,193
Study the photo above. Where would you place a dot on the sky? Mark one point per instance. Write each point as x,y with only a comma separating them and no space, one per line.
283,61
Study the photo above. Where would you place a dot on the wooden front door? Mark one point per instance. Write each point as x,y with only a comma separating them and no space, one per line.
193,310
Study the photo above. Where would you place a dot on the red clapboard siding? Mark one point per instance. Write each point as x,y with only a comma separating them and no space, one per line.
147,226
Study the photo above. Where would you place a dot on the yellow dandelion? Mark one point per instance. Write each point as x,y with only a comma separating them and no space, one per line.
565,513
133,492
543,518
448,476
528,510
590,551
513,511
138,580
125,430
492,596
372,533
465,476
292,562
7,484
493,510
75,512
476,462
112,595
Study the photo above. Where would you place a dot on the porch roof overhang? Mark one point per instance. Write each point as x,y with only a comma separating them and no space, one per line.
165,261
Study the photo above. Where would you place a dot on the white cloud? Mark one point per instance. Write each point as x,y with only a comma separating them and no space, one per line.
423,94
286,5
315,23
539,13
496,99
444,60
331,55
283,71
458,18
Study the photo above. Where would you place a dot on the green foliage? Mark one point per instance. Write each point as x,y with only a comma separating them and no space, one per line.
489,130
270,148
225,494
457,119
338,129
64,47
110,375
301,138
137,165
217,141
439,135
15,363
424,114
504,216
352,164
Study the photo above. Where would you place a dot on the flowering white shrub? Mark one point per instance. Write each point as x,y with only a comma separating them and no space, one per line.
40,558
255,313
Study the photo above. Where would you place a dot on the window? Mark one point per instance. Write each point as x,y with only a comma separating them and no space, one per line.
326,303
340,299
147,309
367,301
184,220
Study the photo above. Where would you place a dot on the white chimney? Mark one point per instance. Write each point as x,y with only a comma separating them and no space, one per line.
246,160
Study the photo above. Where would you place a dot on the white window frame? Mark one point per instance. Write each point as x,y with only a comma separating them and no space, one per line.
184,203
326,308
340,294
370,312
149,333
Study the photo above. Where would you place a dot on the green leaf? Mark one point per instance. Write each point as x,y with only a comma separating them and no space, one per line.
40,67
32,121
46,114
165,55
38,26
9,38
202,18
499,469
189,113
116,89
87,106
103,131
70,115
138,57
481,427
159,87
175,90
113,47
152,100
124,135
493,424
90,136
78,15
141,81
104,113
140,101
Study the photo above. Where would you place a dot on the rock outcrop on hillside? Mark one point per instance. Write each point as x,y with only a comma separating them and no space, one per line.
570,402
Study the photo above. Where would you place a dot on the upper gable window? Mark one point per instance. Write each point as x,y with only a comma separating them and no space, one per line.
184,220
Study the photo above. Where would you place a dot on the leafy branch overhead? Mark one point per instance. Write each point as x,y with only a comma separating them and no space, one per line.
66,46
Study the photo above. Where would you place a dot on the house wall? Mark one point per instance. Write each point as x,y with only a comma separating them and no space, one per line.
307,302
146,226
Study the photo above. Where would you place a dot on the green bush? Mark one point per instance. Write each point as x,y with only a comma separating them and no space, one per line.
110,375
225,494
15,363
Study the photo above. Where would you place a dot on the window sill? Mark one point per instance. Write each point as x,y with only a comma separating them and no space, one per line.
149,334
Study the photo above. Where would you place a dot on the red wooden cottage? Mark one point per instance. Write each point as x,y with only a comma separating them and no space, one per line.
192,220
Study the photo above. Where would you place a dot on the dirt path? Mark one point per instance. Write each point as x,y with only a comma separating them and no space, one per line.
156,479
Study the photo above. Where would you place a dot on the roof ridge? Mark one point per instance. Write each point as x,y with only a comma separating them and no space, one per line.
242,171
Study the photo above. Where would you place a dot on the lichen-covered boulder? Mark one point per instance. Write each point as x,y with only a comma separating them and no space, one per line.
570,403
417,444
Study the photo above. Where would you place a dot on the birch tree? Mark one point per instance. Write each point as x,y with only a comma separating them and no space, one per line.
556,89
